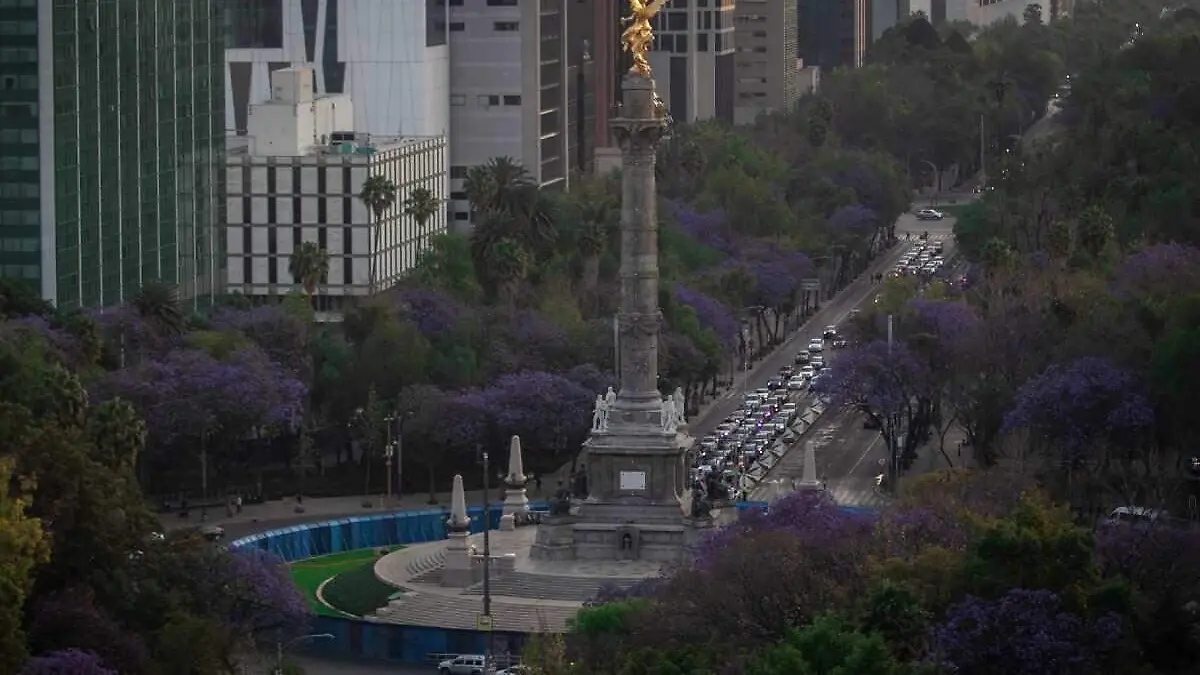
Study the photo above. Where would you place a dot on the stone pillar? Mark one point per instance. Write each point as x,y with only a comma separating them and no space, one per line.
515,501
643,124
457,572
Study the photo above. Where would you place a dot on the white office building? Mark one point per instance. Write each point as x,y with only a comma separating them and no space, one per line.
694,58
295,177
389,56
508,98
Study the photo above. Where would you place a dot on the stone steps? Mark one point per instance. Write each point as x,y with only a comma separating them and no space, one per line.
420,566
549,587
461,612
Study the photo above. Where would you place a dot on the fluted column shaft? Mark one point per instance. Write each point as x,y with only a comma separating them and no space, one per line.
638,130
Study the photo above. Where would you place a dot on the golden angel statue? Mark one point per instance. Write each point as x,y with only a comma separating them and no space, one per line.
638,38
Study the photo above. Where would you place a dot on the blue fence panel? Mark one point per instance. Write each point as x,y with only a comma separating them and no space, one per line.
374,531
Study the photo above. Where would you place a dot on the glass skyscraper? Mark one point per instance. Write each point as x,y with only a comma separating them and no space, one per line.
112,147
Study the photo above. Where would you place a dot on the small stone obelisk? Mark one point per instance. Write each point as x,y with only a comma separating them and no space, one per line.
809,481
457,572
515,501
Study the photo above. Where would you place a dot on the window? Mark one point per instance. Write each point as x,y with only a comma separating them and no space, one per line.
458,99
512,100
506,26
487,101
677,21
502,3
462,215
702,42
458,172
457,26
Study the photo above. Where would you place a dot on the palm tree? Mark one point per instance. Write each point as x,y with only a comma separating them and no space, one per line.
309,267
598,211
421,205
508,206
158,305
379,194
508,263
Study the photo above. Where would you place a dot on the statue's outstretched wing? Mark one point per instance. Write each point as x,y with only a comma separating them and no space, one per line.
653,8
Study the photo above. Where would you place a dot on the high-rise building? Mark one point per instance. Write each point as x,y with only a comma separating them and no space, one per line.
111,147
609,64
508,94
693,59
295,177
887,13
767,61
389,56
834,33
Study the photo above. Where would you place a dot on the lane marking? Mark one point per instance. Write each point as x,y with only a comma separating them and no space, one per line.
870,447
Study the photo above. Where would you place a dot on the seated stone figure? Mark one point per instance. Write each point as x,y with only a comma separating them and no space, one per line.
716,488
560,505
701,506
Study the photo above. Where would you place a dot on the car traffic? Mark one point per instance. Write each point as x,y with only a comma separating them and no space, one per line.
763,418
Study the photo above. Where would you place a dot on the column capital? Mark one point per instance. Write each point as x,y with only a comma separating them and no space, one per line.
639,136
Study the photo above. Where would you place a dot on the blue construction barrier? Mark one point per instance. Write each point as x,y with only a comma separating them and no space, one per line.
375,531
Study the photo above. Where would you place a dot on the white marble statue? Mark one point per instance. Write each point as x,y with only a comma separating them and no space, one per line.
670,416
610,398
600,414
680,406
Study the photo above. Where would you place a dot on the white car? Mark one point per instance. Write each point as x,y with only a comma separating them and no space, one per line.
930,214
464,664
797,383
816,345
807,372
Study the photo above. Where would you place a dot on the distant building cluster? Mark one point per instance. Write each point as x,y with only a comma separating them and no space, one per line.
173,140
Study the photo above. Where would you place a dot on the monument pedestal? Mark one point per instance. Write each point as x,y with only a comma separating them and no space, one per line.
457,573
515,502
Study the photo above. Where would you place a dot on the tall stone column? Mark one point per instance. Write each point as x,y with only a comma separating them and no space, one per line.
641,126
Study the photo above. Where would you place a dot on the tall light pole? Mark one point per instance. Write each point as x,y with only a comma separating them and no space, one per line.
488,665
893,464
280,646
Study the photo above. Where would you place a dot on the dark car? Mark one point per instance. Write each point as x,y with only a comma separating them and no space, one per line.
803,357
774,383
839,343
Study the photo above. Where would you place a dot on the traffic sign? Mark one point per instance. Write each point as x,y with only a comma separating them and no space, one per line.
483,622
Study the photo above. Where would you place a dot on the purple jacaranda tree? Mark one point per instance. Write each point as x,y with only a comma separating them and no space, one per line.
1081,403
954,325
524,340
551,413
70,618
891,383
711,314
591,378
189,396
1160,272
1023,633
67,662
855,222
63,346
280,333
434,312
768,573
261,599
710,229
127,337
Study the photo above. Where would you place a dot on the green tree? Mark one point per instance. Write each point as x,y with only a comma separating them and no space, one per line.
421,205
1095,231
447,265
378,193
508,262
19,297
828,646
158,305
23,547
309,267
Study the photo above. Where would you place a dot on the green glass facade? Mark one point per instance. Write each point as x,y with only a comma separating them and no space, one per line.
130,136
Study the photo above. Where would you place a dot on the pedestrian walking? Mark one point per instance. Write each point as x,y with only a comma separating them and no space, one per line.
537,484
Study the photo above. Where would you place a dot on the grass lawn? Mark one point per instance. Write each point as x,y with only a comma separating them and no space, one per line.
353,589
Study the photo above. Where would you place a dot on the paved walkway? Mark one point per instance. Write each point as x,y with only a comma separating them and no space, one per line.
536,596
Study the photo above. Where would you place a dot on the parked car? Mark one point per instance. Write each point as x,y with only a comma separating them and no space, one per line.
463,664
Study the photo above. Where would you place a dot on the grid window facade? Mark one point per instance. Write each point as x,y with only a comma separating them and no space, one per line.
277,203
135,131
20,190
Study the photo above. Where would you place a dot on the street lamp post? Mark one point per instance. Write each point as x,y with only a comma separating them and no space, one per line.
488,665
890,429
280,646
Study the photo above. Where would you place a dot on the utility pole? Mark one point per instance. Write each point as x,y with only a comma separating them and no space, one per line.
890,429
488,656
982,154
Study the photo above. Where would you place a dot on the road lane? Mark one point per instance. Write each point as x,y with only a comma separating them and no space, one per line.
848,456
